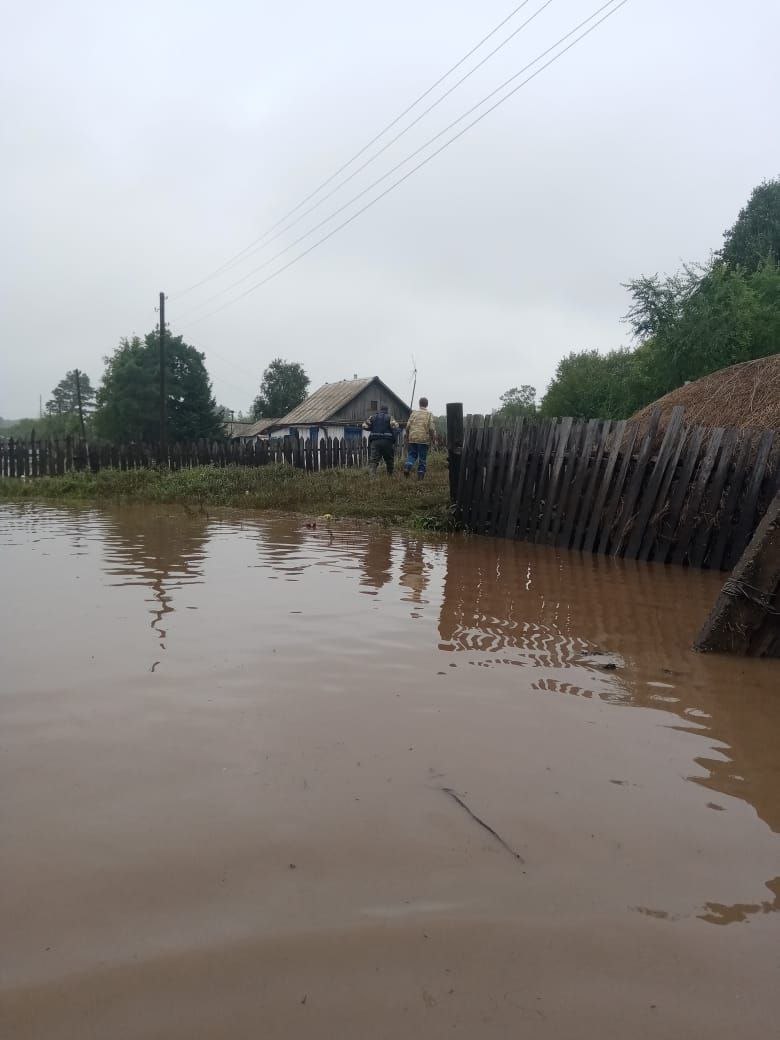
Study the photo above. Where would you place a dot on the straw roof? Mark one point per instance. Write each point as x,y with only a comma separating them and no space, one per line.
746,395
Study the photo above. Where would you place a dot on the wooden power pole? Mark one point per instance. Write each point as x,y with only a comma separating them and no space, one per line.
81,408
163,399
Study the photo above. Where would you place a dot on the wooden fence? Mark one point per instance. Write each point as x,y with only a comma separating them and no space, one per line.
35,458
684,495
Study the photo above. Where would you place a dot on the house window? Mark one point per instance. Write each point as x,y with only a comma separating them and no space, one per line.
373,406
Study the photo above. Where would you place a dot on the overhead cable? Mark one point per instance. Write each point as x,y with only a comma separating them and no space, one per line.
412,155
232,261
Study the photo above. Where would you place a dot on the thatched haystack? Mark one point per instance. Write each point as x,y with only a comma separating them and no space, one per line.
742,396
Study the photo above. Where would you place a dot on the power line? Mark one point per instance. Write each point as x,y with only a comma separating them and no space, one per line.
412,155
255,377
424,162
269,237
238,256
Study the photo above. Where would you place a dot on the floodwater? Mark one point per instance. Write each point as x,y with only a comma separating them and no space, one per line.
248,769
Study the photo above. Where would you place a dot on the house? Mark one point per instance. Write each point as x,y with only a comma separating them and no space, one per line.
235,430
245,432
340,409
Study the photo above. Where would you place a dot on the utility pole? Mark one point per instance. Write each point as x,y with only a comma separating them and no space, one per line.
81,410
163,399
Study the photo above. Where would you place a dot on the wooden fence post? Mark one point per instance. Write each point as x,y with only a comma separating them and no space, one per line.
454,445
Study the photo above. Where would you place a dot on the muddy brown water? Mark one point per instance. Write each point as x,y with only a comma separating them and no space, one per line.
230,751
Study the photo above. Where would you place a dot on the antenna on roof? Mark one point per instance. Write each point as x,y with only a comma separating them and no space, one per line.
414,381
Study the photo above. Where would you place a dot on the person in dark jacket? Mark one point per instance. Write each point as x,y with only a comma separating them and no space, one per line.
381,440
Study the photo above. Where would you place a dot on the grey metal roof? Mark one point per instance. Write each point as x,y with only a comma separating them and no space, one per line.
236,429
256,428
326,402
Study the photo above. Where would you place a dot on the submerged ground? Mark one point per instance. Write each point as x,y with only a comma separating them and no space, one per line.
249,766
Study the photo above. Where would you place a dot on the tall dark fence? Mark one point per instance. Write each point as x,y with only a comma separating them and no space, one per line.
688,495
36,458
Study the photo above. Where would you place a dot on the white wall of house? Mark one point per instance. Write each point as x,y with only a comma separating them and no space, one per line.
336,430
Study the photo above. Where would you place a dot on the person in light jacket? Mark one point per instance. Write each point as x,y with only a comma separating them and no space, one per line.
420,431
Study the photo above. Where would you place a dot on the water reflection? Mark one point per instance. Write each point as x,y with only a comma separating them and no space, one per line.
415,574
162,551
584,627
377,563
632,626
279,543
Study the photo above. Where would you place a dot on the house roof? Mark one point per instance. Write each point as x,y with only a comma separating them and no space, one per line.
330,399
259,427
235,428
247,429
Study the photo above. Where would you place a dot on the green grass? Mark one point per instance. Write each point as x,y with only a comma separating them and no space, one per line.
340,492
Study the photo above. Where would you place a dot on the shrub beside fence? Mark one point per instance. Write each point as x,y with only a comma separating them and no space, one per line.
689,495
36,458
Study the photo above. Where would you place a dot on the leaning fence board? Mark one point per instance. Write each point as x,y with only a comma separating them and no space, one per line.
562,493
747,518
680,489
650,539
615,493
529,481
711,502
627,515
729,513
601,496
644,508
494,436
691,516
593,485
549,475
510,435
521,474
589,487
574,499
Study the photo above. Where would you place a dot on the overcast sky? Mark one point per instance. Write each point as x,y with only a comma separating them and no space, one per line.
145,144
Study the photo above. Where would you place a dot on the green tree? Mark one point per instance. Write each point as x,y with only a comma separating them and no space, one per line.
701,320
65,395
755,236
591,385
284,386
688,324
128,405
518,402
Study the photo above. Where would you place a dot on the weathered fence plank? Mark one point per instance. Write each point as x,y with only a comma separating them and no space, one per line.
576,479
691,516
589,489
591,486
612,504
729,512
549,475
635,486
506,477
606,482
747,518
710,505
670,443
